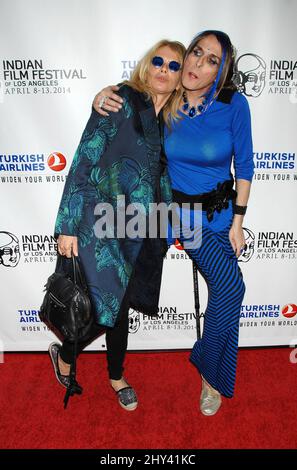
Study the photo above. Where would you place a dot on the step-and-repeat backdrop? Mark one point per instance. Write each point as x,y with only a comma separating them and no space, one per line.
54,57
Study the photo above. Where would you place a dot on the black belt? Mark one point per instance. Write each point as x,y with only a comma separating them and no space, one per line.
214,200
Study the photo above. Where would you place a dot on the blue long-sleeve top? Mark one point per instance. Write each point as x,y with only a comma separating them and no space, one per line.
200,150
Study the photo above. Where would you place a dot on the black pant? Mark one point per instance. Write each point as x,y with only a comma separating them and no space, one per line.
116,342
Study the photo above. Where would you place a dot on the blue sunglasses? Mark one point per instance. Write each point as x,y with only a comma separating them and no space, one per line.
173,66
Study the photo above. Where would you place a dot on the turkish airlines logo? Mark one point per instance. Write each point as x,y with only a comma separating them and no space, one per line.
289,310
178,245
56,161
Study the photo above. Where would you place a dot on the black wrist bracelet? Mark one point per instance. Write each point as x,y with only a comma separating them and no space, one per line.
239,210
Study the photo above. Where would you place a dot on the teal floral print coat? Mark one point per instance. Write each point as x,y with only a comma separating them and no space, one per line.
117,155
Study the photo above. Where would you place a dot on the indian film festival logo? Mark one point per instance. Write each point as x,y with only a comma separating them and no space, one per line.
34,77
252,74
249,250
9,250
134,321
269,246
34,248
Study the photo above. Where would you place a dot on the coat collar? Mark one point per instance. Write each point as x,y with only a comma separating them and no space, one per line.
147,124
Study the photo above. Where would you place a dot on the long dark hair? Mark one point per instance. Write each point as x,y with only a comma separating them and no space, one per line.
225,79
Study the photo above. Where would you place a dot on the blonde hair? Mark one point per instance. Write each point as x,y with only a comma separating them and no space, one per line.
139,78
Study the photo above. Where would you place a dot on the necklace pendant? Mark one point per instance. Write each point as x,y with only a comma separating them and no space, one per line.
192,112
201,106
185,106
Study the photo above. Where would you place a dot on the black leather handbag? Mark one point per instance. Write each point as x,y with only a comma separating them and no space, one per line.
66,309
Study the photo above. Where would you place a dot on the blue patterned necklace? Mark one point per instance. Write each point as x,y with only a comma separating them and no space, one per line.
193,110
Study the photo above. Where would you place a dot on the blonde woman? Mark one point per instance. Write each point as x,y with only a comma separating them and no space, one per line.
119,158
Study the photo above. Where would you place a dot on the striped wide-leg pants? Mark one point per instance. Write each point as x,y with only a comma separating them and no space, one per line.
215,354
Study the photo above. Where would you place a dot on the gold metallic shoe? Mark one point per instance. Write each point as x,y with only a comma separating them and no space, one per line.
210,399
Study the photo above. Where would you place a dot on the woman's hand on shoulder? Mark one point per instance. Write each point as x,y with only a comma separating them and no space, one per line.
107,100
67,245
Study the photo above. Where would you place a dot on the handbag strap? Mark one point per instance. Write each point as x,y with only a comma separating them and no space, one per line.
78,277
72,387
62,265
75,268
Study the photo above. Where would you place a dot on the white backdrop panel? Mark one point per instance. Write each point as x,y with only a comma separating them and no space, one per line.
63,52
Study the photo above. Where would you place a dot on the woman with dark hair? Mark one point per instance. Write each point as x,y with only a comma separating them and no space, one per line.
212,131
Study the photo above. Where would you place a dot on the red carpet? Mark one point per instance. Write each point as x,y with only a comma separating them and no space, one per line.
262,415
